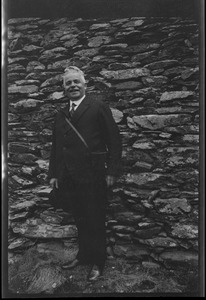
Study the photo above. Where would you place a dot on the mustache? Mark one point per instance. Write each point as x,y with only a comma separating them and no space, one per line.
73,89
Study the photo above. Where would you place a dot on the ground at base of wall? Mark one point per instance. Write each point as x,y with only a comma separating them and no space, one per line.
42,275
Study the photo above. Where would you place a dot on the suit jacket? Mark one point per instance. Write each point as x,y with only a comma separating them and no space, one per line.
94,120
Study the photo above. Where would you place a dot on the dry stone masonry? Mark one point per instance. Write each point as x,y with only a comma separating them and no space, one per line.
147,70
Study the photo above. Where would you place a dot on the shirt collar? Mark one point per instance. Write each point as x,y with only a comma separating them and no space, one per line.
77,102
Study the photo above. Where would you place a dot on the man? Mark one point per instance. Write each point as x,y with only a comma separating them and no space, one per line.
84,164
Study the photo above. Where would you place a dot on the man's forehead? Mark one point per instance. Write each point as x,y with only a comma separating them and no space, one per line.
72,75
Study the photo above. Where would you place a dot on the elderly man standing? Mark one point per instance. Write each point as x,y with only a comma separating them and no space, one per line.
85,160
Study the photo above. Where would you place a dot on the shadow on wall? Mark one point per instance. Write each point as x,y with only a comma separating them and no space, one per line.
102,8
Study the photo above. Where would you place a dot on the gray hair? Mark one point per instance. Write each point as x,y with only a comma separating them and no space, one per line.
73,69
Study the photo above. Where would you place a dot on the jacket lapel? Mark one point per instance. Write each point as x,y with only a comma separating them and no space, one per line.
83,106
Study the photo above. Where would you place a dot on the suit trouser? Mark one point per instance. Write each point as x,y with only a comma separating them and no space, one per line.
87,199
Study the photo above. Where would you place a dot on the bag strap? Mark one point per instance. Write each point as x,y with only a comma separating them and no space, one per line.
76,131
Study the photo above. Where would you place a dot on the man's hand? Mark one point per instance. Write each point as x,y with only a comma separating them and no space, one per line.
54,183
110,180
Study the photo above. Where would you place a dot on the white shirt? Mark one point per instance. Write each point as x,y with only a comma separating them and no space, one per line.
77,102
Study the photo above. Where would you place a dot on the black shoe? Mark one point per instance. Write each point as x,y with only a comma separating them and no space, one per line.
95,273
71,265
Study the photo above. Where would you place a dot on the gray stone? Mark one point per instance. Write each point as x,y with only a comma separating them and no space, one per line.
191,138
99,40
26,105
24,158
142,56
54,51
46,135
173,206
179,256
131,251
136,100
164,242
143,145
68,36
58,79
117,115
33,229
174,71
26,27
18,216
123,229
24,89
177,160
16,147
32,49
71,43
125,74
142,165
44,191
51,217
64,252
16,68
56,96
17,60
142,178
128,85
175,109
23,205
185,231
87,52
189,72
147,233
155,81
21,242
135,23
40,75
131,124
154,122
27,82
162,64
169,96
128,218
117,46
21,20
99,26
142,48
34,65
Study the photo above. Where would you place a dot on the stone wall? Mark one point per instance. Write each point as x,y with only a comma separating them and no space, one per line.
147,70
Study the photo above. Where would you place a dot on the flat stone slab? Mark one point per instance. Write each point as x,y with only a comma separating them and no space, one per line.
99,40
173,205
128,85
154,122
23,205
169,96
24,89
162,64
131,251
180,256
31,229
129,218
125,74
142,178
100,26
185,231
164,242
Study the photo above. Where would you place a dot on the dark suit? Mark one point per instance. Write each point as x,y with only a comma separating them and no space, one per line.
82,174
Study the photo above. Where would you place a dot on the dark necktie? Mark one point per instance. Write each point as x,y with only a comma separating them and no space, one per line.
72,110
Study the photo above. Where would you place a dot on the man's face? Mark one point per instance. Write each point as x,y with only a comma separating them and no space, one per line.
74,86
